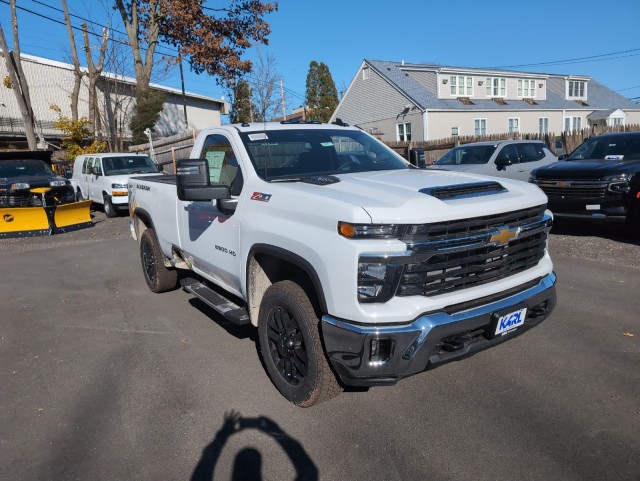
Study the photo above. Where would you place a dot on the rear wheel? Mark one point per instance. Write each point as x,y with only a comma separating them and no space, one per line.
291,348
158,277
109,210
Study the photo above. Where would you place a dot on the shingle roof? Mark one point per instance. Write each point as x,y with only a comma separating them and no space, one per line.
599,96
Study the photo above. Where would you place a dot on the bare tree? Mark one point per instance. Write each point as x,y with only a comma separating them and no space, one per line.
18,79
77,72
265,87
94,73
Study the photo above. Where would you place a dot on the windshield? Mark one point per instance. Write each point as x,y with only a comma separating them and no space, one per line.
296,153
24,168
610,147
134,164
465,155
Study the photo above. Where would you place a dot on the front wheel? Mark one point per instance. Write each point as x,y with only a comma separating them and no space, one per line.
158,277
109,210
290,346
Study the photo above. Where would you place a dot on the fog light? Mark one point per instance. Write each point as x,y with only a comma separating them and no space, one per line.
381,351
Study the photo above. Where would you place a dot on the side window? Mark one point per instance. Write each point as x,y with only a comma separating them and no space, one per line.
97,166
531,152
85,164
509,152
223,164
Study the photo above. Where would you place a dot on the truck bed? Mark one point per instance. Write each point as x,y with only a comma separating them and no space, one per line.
159,178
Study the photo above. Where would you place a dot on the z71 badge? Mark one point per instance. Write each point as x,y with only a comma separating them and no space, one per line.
261,197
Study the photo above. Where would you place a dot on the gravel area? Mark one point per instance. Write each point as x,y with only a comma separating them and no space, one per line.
609,244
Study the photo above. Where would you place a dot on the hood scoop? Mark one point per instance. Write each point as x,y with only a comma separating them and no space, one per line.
320,179
477,189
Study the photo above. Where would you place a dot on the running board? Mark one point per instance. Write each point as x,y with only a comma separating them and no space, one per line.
229,309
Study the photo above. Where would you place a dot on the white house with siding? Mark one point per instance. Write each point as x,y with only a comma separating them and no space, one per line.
416,102
51,82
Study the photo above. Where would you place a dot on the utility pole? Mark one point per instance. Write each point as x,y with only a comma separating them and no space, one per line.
284,110
184,95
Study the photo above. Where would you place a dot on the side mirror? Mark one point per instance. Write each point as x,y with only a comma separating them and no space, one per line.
192,182
563,156
503,162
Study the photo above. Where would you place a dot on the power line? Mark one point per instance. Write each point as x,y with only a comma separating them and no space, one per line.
60,22
628,88
157,51
571,60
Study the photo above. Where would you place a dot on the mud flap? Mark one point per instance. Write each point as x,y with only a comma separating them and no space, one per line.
72,216
24,221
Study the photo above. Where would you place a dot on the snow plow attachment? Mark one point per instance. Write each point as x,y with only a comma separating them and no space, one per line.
37,221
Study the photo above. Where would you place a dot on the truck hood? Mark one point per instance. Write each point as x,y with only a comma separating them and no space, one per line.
588,168
405,196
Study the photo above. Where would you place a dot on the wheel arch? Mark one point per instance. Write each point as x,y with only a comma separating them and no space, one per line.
268,264
141,221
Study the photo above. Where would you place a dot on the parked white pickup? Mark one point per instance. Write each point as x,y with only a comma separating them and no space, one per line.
355,267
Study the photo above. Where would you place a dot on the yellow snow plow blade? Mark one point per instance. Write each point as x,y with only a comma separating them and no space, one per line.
72,215
37,221
24,220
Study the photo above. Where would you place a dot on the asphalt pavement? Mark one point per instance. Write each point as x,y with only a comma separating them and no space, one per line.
104,380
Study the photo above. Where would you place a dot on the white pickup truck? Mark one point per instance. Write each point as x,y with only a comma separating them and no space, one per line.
356,268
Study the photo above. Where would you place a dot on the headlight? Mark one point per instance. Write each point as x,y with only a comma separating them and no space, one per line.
20,186
532,178
368,231
119,186
618,183
377,282
58,183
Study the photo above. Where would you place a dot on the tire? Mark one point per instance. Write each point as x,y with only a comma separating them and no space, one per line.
158,277
109,210
290,346
79,197
632,224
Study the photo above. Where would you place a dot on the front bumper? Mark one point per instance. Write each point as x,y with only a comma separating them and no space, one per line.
611,208
430,340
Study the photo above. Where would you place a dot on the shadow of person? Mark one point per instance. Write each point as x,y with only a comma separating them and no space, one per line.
247,465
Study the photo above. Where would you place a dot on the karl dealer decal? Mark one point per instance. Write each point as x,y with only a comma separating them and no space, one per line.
261,197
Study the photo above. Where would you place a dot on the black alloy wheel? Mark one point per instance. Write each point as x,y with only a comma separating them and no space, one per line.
286,345
291,347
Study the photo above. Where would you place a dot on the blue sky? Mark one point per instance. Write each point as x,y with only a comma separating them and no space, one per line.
458,33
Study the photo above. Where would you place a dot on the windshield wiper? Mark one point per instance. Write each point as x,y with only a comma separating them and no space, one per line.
286,179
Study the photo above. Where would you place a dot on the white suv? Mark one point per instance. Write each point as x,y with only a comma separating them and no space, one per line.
103,178
513,159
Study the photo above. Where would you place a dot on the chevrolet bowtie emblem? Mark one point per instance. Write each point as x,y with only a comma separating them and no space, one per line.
504,236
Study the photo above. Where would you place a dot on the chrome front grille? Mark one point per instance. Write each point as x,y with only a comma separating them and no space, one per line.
573,188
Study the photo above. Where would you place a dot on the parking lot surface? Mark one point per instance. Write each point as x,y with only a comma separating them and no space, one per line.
104,380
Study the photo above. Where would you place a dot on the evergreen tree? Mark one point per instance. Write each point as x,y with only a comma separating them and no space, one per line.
321,96
241,109
147,111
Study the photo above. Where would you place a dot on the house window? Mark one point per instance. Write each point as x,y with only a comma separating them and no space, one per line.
480,127
616,121
543,125
496,87
576,88
527,88
572,123
514,125
365,73
454,131
461,86
403,132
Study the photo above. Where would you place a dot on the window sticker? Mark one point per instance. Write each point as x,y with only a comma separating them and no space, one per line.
326,144
214,159
261,136
613,157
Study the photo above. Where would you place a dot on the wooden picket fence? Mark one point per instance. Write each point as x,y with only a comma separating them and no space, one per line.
168,149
